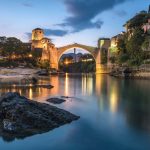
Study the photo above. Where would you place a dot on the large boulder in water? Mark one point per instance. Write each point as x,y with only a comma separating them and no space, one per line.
56,100
21,117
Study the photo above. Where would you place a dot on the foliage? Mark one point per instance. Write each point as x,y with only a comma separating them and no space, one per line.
134,47
121,45
122,58
113,49
113,59
83,66
13,48
146,43
138,20
15,53
44,64
131,45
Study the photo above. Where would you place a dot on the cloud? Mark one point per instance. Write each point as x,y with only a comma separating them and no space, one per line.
120,13
82,13
25,4
50,32
53,32
28,34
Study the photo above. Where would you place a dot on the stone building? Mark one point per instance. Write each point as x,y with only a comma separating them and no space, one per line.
44,46
115,39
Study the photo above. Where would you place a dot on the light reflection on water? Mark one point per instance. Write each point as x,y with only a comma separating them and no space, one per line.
115,113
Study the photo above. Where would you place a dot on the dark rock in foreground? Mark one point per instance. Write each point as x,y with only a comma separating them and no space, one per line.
21,117
66,97
56,100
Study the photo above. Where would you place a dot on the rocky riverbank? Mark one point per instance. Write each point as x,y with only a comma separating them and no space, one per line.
131,73
18,75
21,117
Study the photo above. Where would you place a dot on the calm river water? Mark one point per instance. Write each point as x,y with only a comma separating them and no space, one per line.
115,114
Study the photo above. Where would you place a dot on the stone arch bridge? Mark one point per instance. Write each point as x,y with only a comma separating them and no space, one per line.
94,51
90,49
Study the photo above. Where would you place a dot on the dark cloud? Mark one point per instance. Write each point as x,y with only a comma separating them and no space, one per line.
57,32
82,12
50,32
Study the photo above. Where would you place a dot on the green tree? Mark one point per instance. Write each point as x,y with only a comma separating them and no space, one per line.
11,47
44,64
121,45
146,43
134,47
138,20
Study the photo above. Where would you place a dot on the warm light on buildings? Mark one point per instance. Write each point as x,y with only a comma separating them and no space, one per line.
66,62
30,55
87,60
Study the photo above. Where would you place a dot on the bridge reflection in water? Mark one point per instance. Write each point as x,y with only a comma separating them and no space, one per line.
96,92
108,108
71,85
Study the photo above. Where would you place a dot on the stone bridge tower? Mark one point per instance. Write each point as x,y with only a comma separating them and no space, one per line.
45,47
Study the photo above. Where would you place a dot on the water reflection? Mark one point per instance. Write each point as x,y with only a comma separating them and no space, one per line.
114,97
137,103
87,84
127,97
66,85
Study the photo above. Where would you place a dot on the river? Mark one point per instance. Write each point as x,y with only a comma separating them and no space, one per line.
114,114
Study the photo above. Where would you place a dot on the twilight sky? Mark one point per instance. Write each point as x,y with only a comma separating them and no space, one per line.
67,21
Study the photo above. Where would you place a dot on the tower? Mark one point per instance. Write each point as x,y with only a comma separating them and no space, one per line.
37,34
44,47
149,9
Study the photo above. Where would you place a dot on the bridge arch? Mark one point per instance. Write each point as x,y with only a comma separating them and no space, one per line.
89,49
60,55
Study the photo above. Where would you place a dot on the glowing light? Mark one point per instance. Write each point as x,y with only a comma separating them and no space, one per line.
66,62
30,93
85,60
30,55
87,85
102,43
113,102
66,85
